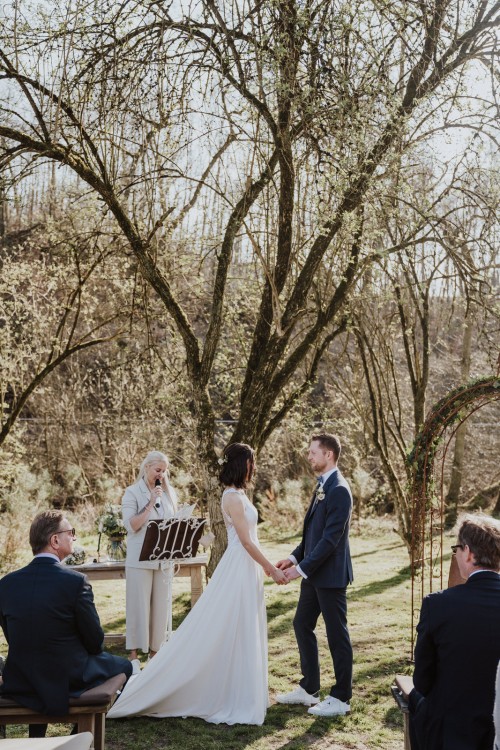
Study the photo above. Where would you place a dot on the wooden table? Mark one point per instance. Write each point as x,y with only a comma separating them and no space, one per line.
184,567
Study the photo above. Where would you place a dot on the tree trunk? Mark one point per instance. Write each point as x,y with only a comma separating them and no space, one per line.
455,486
3,212
209,470
212,489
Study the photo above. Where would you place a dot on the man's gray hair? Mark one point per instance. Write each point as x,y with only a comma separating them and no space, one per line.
43,526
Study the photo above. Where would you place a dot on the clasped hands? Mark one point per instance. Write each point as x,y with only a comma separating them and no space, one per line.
284,572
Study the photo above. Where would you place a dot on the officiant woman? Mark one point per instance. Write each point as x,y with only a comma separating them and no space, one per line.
151,498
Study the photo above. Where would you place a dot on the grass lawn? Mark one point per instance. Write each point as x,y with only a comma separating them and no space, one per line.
379,621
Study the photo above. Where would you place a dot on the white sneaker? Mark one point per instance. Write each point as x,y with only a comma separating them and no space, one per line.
136,666
330,707
297,696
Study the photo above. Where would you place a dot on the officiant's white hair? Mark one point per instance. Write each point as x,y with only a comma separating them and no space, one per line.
154,457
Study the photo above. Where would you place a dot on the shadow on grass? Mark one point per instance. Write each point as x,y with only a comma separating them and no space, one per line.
377,550
316,727
378,587
182,609
114,626
144,732
280,613
387,668
393,717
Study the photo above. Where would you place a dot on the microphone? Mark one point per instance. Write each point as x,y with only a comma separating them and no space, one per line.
158,502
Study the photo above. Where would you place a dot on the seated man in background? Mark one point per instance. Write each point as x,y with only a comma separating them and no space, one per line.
458,648
50,622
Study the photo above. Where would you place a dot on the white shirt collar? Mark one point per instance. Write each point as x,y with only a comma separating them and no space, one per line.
48,554
482,570
327,474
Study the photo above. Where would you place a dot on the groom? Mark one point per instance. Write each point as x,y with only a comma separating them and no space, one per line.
323,561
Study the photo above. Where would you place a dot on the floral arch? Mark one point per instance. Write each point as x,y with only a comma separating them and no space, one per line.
426,462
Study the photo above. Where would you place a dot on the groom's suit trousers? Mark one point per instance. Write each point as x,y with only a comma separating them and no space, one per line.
332,604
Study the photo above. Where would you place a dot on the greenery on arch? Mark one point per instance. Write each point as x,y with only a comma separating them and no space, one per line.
452,408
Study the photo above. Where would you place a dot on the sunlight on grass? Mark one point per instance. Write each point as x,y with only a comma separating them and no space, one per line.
379,621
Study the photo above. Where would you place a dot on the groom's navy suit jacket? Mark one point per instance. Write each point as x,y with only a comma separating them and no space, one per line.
55,638
456,658
323,554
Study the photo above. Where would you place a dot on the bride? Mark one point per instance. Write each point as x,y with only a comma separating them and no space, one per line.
215,664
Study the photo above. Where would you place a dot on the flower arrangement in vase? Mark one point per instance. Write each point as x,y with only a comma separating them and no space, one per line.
110,524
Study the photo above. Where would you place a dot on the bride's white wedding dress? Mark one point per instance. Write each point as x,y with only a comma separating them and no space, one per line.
215,664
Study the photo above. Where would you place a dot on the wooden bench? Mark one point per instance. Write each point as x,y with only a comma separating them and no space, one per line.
88,711
403,685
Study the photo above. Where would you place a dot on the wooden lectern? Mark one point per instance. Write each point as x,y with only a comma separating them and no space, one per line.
172,538
168,540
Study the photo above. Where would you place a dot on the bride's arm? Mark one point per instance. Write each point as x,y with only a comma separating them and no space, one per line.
233,505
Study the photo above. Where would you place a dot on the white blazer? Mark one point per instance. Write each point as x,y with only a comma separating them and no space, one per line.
135,498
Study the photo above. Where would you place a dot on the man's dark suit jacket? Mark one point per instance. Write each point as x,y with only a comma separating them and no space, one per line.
55,639
456,656
323,554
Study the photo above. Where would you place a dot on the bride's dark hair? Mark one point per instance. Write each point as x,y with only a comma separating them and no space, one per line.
237,459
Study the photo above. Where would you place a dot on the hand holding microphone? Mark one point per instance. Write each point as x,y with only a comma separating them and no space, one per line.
158,495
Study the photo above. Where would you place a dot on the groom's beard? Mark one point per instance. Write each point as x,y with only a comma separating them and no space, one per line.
318,467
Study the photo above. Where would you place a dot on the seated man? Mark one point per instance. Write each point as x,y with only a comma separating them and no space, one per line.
458,648
49,619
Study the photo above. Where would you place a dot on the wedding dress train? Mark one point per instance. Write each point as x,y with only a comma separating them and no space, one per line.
215,664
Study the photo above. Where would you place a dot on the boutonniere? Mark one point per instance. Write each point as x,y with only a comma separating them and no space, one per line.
320,494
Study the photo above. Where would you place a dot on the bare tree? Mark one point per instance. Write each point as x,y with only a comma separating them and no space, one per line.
278,97
51,308
406,312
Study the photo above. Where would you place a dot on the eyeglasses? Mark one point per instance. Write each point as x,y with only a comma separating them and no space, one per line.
454,547
65,531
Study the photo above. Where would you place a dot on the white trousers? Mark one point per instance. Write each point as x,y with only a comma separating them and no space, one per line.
147,594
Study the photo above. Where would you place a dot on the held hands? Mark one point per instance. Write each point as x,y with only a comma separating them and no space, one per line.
291,573
277,575
284,564
289,569
283,572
